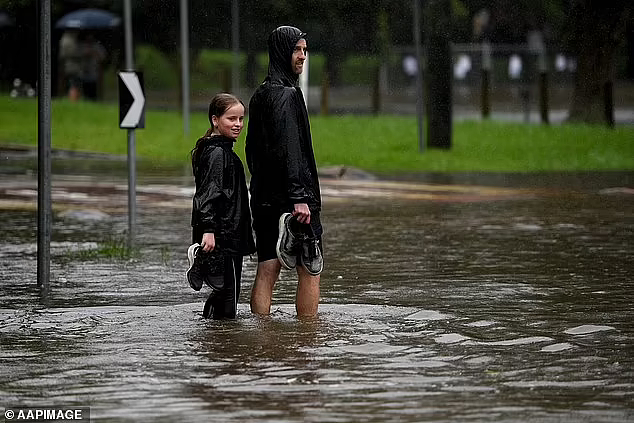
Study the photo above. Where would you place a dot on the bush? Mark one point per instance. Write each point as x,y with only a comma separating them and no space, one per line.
212,68
359,70
158,72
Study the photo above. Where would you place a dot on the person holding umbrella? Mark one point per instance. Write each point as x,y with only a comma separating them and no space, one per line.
70,59
83,59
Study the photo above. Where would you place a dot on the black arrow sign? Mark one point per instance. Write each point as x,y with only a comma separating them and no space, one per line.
131,100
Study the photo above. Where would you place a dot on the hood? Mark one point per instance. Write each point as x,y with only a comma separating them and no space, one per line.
217,140
281,43
221,140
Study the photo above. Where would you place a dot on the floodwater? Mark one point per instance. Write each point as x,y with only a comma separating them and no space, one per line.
444,303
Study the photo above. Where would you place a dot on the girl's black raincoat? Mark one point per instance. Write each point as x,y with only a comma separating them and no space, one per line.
279,148
221,203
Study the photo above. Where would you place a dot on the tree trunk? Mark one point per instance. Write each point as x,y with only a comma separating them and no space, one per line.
251,65
598,27
438,74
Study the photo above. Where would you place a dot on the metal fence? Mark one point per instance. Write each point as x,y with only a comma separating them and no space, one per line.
505,82
501,82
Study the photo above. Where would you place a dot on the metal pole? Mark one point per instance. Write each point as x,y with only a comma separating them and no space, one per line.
44,214
129,63
185,63
419,76
303,81
127,17
131,188
235,46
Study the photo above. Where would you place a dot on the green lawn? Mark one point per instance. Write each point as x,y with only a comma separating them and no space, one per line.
374,143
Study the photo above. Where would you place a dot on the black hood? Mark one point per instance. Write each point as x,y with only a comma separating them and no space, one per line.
282,42
221,140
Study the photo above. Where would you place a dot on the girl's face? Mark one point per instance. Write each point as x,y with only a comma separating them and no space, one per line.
230,123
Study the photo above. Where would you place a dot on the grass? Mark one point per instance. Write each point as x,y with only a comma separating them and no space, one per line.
110,249
382,144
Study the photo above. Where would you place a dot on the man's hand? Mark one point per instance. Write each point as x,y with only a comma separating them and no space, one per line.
209,242
302,213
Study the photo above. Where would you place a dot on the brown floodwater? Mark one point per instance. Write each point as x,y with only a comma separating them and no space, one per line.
440,303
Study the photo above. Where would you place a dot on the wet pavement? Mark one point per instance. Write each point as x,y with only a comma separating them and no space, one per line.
482,298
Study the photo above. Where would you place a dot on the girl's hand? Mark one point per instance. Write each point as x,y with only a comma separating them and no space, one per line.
209,242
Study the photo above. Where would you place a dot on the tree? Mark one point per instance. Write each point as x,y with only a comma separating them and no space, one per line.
595,30
257,20
438,73
590,30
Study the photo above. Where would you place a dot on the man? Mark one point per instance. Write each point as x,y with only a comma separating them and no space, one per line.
285,195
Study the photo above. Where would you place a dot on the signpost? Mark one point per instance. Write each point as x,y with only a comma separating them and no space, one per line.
235,46
44,212
185,63
419,76
131,116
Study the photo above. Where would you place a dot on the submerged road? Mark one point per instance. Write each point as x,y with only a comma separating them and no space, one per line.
445,302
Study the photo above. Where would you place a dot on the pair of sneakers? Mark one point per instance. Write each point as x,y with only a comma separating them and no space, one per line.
203,267
294,245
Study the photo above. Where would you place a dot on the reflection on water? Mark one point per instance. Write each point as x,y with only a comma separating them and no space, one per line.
510,310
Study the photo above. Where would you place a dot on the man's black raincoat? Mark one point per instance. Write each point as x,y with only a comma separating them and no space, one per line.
279,148
221,203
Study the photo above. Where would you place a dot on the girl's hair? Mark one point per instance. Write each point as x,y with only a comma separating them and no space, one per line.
217,107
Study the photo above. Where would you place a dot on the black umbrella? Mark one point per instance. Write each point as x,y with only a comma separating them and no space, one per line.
5,20
88,19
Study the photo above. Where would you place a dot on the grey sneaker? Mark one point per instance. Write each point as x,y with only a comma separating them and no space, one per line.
195,274
311,257
288,243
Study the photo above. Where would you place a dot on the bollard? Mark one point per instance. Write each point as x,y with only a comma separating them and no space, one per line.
376,91
526,102
324,94
543,84
543,97
608,103
485,100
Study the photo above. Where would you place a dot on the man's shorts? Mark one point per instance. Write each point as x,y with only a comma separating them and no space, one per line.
266,228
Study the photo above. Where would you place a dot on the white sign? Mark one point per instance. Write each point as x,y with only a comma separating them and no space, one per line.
131,100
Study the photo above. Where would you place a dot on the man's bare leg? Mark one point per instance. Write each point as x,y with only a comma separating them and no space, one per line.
307,297
266,275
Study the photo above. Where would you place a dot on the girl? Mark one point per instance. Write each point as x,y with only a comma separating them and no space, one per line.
221,219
